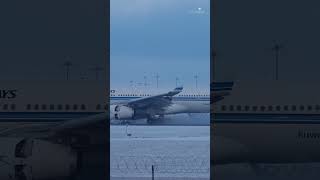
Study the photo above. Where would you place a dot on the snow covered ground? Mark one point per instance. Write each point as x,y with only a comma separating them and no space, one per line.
183,152
174,151
194,119
308,171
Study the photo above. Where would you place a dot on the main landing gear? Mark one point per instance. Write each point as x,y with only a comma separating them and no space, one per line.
152,118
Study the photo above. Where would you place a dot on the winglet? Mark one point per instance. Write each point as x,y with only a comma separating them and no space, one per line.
178,88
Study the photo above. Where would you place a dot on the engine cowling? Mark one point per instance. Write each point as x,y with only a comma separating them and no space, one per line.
33,159
121,112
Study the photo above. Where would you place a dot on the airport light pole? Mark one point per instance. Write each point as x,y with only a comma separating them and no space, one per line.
67,64
145,81
276,48
157,78
131,83
196,78
177,80
97,69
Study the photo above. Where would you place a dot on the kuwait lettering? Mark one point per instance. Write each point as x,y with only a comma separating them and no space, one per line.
306,134
8,94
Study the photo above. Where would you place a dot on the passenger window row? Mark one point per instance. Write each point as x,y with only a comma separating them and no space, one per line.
11,107
53,107
131,95
194,95
188,95
271,108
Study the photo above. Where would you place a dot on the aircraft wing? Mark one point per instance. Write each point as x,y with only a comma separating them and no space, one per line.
155,102
84,124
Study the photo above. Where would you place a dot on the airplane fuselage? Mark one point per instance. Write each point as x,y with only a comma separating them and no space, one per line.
267,122
187,105
268,142
181,103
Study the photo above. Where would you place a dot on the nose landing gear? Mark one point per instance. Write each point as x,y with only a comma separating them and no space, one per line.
128,134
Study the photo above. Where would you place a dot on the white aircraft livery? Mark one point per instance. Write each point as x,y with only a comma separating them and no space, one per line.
57,101
267,122
45,124
131,105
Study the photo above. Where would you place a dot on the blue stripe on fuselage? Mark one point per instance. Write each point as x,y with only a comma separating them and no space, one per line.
222,89
276,118
174,98
42,116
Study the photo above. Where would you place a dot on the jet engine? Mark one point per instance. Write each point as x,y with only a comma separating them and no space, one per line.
32,159
121,112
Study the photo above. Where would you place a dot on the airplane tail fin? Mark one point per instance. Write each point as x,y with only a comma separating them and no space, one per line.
219,90
221,86
178,88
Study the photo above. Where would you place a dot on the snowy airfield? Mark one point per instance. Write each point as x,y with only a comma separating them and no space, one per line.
308,171
176,152
178,119
183,152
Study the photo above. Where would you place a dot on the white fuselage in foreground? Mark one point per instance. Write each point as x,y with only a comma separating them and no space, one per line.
267,122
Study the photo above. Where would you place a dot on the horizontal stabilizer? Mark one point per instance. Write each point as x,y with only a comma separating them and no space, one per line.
221,86
219,90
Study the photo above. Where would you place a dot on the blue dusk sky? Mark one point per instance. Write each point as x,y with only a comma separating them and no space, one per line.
170,38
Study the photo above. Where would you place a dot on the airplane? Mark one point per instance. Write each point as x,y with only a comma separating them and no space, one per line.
269,122
46,134
152,106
